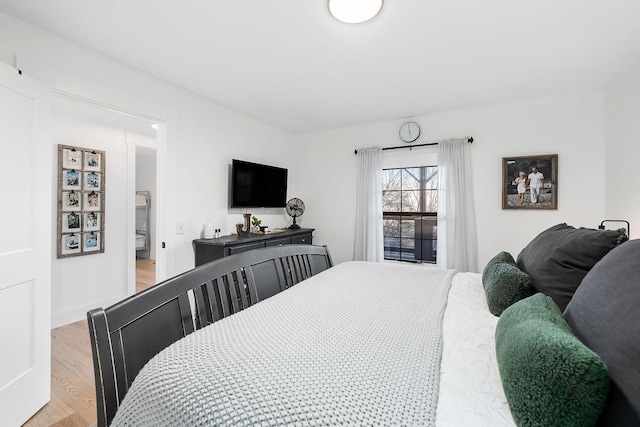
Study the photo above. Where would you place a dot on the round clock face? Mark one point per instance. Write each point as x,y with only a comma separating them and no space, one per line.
409,132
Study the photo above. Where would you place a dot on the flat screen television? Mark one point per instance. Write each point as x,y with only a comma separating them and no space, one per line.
257,186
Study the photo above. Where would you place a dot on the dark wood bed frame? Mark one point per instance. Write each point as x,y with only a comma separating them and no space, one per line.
125,336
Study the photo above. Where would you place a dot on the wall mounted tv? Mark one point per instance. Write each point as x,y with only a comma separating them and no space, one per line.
257,186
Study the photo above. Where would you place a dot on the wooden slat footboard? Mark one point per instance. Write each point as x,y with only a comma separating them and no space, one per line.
125,336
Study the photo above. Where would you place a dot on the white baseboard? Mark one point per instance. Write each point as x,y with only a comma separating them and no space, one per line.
79,313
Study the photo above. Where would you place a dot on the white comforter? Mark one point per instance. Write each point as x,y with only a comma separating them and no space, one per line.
471,391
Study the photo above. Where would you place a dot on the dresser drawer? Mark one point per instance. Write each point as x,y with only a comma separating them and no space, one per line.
279,242
243,248
303,239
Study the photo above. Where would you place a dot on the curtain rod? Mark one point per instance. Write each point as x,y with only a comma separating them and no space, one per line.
470,140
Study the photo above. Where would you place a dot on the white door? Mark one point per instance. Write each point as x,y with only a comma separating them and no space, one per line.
26,185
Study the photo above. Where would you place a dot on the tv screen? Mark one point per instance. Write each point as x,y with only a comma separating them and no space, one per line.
257,186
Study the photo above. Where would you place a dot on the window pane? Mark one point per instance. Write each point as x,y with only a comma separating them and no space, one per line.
431,177
408,228
391,179
391,201
411,201
391,227
411,179
430,201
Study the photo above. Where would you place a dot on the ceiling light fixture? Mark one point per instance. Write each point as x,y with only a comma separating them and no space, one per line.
354,11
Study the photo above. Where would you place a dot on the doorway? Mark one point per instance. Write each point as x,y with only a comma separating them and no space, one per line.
145,216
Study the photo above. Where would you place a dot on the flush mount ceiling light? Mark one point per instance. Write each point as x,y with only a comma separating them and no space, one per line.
354,11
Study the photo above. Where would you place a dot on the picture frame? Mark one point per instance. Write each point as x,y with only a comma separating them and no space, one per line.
92,181
81,199
70,244
526,188
71,201
92,161
71,158
71,179
91,221
91,242
92,201
71,222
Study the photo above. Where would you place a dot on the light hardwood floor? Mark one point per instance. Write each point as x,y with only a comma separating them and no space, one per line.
73,398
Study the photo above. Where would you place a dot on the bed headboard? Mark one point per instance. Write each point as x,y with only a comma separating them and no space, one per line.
604,314
125,336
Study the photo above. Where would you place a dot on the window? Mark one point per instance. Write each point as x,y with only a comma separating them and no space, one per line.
409,210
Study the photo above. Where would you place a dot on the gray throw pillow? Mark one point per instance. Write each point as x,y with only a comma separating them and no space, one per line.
605,314
558,258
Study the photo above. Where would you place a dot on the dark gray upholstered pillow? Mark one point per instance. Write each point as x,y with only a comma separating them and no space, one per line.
504,284
605,314
558,258
549,377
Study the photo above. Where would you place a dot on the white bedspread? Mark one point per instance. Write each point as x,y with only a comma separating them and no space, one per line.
471,391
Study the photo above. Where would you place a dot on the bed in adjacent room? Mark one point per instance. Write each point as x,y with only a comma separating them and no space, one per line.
380,344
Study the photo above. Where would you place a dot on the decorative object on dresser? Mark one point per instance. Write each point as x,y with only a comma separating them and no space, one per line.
244,229
295,209
530,182
209,231
80,201
207,250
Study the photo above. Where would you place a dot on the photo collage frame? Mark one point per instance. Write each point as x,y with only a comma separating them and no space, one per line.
80,201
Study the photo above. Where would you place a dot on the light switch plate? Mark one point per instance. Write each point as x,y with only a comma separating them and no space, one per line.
179,227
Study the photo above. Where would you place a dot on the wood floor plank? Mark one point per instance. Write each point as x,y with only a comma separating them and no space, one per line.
73,397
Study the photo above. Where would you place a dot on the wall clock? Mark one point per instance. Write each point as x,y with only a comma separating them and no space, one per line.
409,131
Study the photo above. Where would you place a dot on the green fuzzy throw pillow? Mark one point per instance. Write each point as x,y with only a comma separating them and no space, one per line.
498,259
504,284
549,377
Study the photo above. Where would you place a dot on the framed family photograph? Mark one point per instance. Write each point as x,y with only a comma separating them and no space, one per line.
530,182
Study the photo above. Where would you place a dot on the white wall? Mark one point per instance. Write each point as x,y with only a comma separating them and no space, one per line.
85,282
623,151
207,138
570,126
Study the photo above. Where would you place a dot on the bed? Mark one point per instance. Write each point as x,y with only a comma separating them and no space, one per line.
359,344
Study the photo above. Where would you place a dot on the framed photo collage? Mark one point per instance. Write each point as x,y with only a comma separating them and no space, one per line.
80,201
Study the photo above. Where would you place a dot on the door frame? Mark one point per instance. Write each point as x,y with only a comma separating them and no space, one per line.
74,87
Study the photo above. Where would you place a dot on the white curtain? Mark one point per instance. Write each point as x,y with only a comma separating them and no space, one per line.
369,245
457,241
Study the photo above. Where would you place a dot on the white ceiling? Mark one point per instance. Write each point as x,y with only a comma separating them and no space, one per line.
288,63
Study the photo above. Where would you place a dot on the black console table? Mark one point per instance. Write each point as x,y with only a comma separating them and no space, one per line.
208,250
